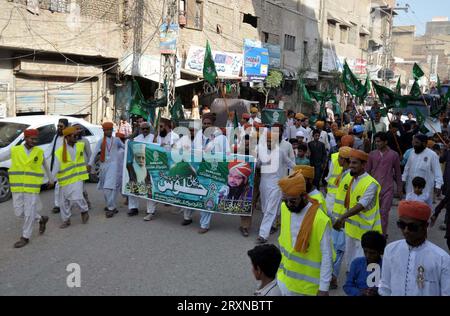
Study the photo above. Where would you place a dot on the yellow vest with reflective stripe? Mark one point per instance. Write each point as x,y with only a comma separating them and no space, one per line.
337,170
366,220
300,272
26,173
318,196
339,207
72,171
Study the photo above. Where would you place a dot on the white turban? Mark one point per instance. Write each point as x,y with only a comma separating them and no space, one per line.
300,134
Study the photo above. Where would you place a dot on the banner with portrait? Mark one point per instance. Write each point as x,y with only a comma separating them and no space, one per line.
216,183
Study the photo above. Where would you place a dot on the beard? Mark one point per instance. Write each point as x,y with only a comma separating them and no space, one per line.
163,133
236,192
419,149
297,209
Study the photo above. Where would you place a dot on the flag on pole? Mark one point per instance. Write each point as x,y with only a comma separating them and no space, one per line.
417,72
390,98
353,85
209,67
137,101
304,92
421,121
176,112
398,88
415,90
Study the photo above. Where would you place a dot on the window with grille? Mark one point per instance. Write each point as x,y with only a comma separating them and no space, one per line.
59,6
194,14
331,30
344,34
289,43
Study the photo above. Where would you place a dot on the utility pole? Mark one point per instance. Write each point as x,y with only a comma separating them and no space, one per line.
387,40
168,67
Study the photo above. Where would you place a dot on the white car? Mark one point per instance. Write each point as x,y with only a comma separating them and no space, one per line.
11,134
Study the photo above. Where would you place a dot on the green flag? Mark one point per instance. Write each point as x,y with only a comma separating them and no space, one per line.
384,112
353,85
365,92
390,98
176,112
421,121
209,67
137,101
398,88
336,106
272,116
304,92
417,72
235,120
415,90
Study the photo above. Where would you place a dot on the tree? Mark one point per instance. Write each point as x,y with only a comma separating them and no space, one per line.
273,81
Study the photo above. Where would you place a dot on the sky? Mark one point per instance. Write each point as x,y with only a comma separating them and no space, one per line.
420,12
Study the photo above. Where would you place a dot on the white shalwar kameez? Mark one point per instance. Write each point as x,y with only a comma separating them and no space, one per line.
274,165
133,202
425,165
108,170
70,195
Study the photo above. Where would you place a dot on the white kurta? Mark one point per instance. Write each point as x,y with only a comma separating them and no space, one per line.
274,166
425,165
108,168
401,270
168,141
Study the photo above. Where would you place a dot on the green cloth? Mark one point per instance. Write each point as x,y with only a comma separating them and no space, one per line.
302,161
421,121
417,72
304,92
415,90
176,112
209,67
353,85
398,88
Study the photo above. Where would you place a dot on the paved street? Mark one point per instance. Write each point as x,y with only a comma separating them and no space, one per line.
127,256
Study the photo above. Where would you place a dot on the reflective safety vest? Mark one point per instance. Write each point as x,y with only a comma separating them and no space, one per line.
318,196
337,170
26,173
365,220
339,207
72,171
300,272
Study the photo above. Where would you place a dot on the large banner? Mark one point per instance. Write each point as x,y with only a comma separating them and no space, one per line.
202,182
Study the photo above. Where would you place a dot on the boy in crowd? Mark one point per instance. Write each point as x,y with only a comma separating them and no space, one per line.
265,262
419,184
362,280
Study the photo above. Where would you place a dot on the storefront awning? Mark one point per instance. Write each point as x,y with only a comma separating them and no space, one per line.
364,31
333,18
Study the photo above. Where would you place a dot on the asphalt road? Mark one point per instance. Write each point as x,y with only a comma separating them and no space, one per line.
127,256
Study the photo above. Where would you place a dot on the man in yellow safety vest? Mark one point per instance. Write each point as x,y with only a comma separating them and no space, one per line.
305,241
357,205
26,177
70,170
313,193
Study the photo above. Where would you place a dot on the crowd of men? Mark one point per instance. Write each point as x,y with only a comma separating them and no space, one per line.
329,195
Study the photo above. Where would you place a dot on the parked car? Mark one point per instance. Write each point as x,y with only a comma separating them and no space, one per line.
11,134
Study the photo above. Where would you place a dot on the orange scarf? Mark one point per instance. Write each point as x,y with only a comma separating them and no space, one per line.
347,196
103,151
304,235
64,155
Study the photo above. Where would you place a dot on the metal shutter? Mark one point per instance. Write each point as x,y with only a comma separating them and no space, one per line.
73,98
30,95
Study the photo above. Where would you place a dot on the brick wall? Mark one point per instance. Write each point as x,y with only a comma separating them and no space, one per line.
108,10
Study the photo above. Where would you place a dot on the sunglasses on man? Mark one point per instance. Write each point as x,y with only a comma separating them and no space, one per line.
412,227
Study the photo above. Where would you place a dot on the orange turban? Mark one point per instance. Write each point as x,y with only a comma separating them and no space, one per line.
69,131
307,171
344,152
414,209
299,116
347,140
254,110
320,124
293,185
359,154
339,133
108,125
31,132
